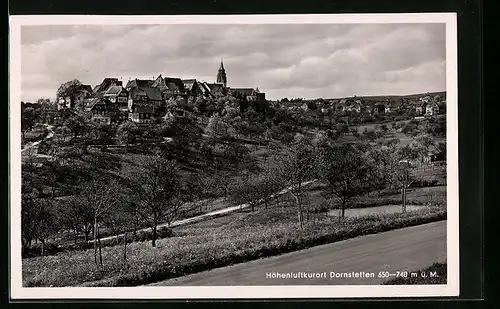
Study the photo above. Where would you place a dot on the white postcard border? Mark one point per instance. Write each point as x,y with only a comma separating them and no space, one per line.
17,292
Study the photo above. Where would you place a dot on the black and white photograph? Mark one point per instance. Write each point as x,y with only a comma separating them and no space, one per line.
278,156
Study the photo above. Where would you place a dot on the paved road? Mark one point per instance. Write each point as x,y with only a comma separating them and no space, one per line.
405,249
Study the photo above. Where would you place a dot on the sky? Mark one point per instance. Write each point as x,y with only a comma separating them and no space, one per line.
282,60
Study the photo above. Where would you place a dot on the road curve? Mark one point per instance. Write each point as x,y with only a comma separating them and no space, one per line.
406,249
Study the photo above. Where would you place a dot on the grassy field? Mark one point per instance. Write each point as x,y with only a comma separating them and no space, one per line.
234,238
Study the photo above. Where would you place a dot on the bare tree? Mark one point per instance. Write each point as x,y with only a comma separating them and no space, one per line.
99,197
160,193
296,166
45,223
404,174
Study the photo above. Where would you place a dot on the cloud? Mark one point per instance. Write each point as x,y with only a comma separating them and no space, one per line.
296,60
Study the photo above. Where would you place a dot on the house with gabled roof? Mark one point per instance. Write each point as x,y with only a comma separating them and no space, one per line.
142,114
144,96
102,111
192,87
116,94
250,94
83,92
138,83
106,83
169,86
421,108
435,108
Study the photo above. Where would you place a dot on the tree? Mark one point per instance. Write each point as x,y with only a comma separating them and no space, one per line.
246,190
380,167
344,170
296,166
77,125
404,175
28,196
160,193
29,117
69,89
126,133
98,197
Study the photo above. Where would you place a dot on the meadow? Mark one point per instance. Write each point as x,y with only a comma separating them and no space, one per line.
235,238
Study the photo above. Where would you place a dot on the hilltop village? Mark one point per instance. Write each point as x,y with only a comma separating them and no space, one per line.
142,100
145,101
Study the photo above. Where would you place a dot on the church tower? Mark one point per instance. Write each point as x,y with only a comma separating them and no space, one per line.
221,75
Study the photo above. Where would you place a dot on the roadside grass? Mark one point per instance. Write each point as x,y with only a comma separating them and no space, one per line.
210,244
439,268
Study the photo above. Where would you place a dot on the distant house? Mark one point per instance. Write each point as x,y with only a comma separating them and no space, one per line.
304,107
378,109
421,109
387,107
325,110
142,114
103,111
425,99
435,108
356,106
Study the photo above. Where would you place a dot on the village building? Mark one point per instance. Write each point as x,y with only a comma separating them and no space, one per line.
106,83
117,94
169,86
102,111
192,87
435,108
378,109
356,106
144,96
421,109
142,114
425,99
139,83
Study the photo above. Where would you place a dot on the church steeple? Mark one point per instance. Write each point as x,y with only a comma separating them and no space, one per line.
221,75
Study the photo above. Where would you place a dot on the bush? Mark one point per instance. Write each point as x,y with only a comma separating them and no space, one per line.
323,207
36,250
425,183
